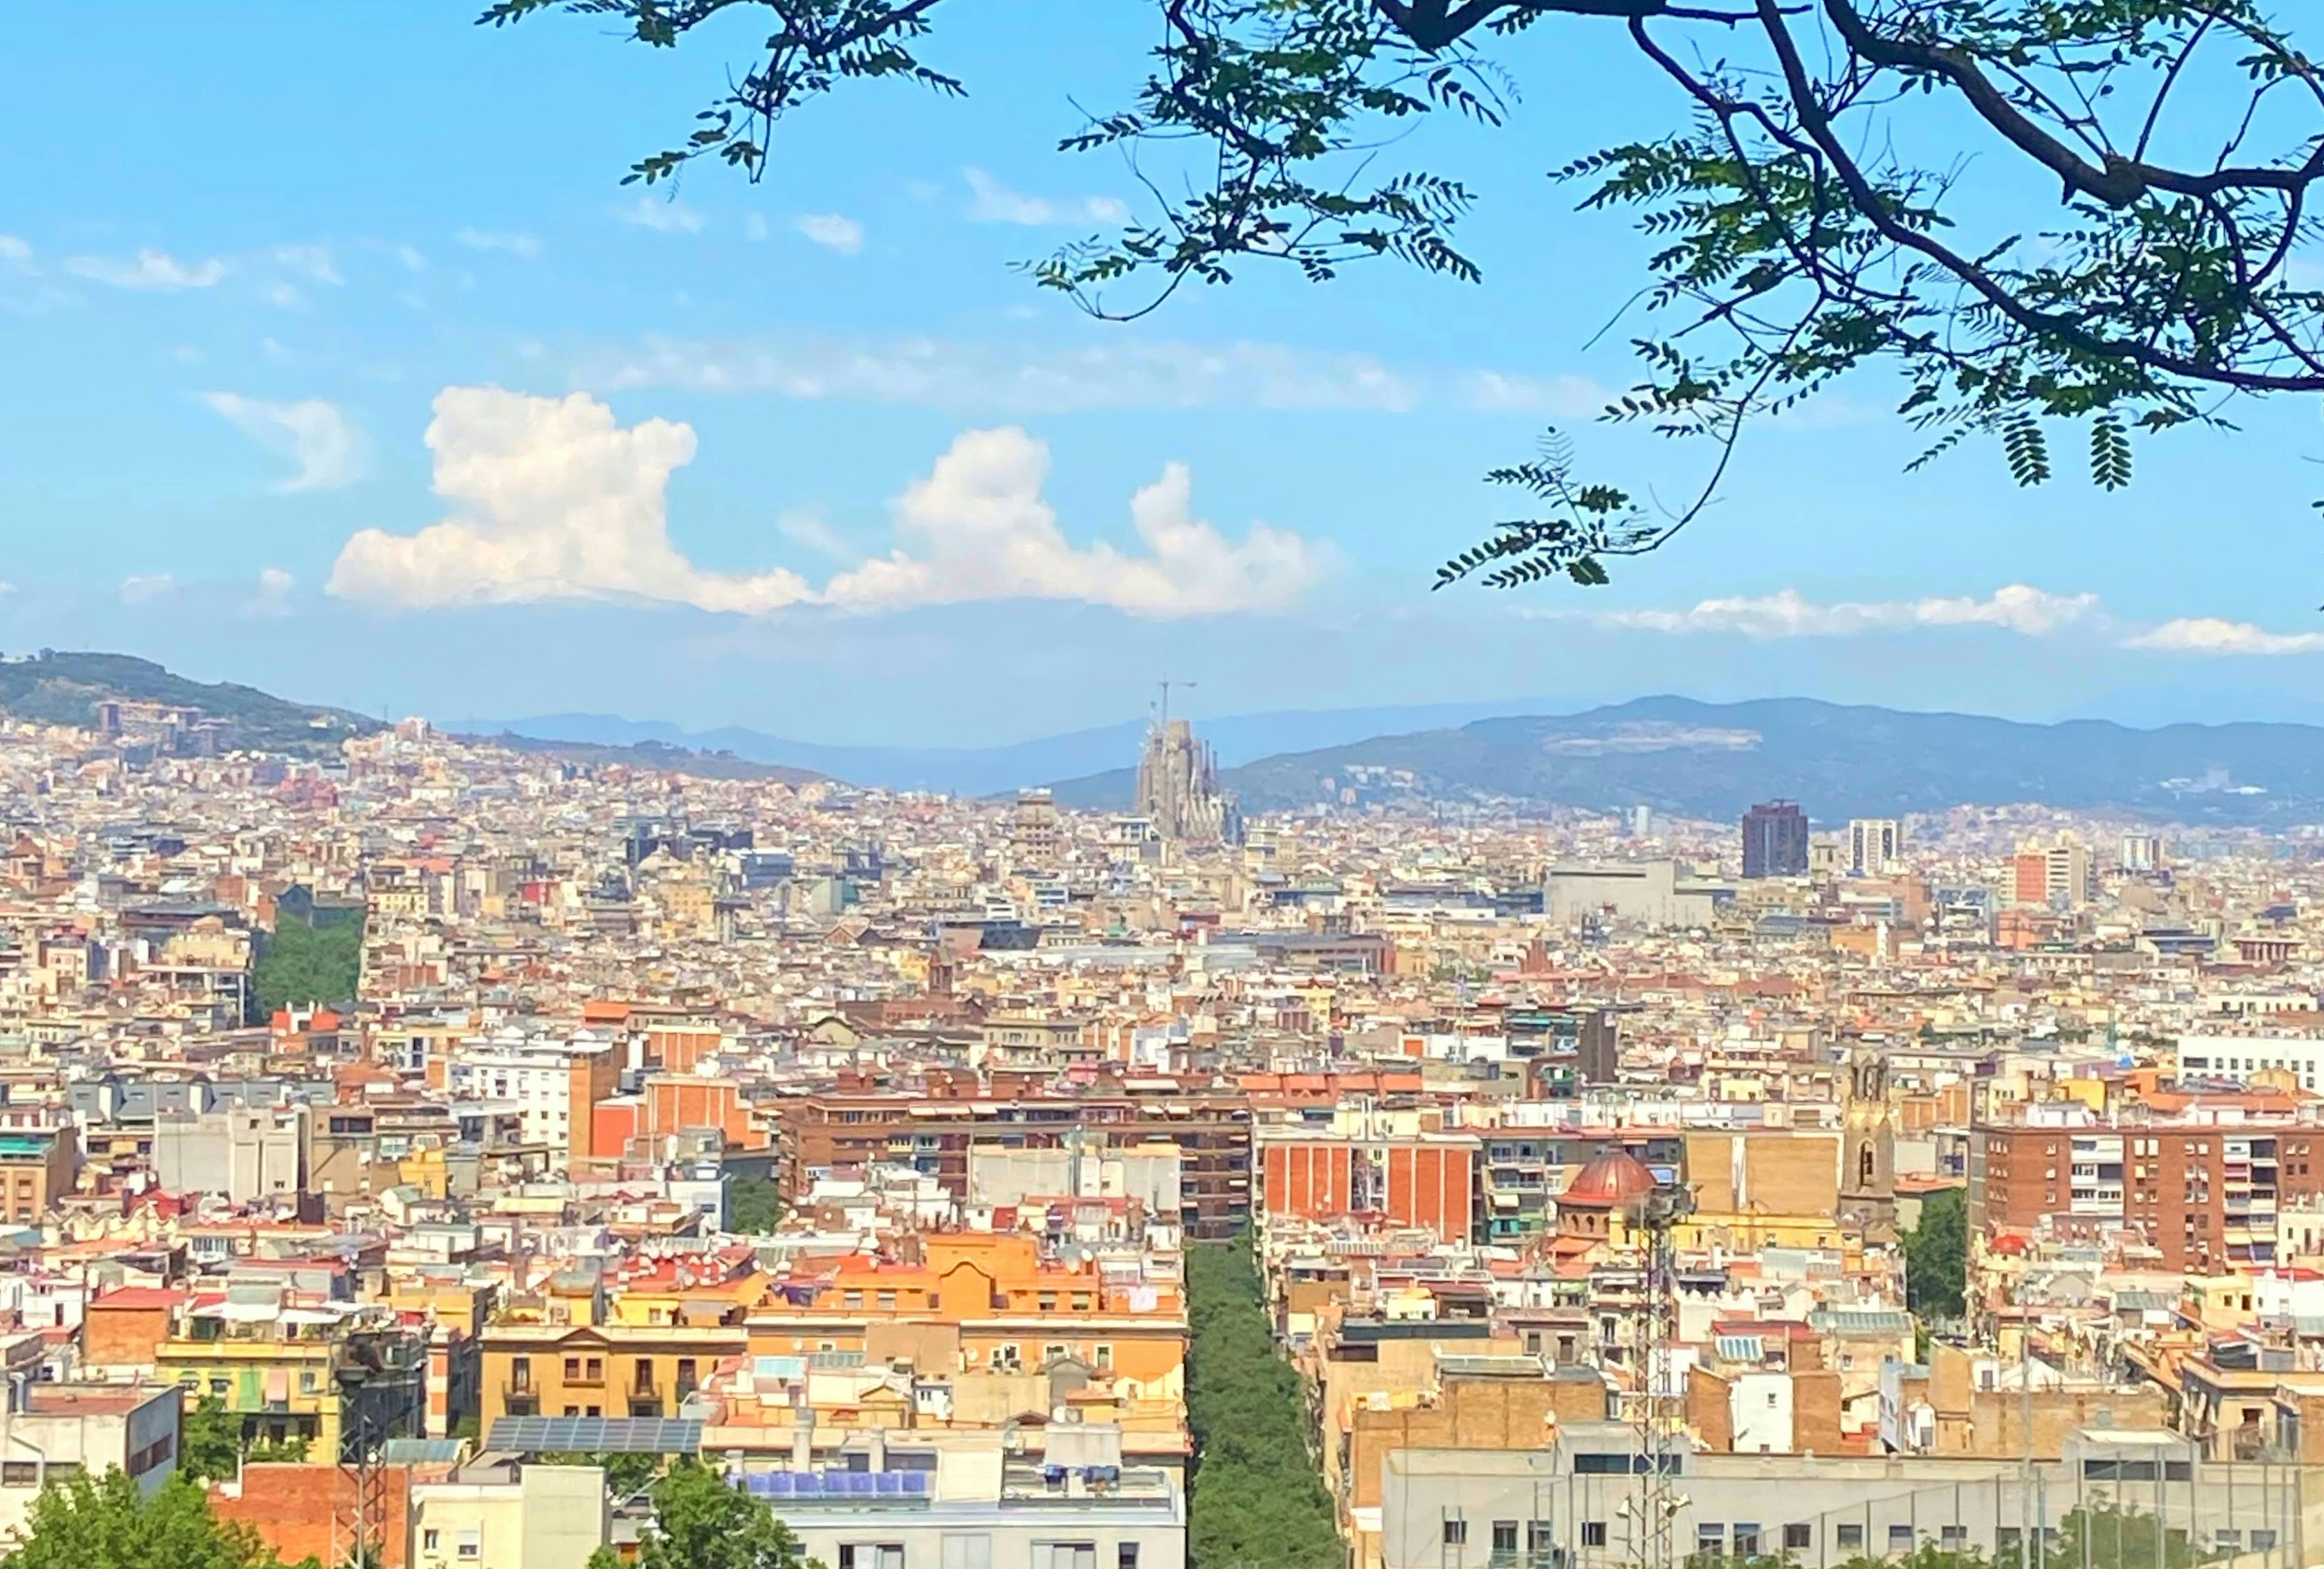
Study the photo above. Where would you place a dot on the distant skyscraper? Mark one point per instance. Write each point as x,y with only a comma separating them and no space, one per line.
2141,852
1178,789
1875,845
1775,840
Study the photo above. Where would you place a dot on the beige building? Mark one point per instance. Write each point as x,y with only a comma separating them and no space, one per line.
509,1516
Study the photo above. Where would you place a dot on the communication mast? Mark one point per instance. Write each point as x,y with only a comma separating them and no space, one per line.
1651,1512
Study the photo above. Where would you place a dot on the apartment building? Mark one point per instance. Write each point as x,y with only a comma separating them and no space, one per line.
934,1133
961,1501
2205,1194
1424,1179
556,1082
599,1369
329,1373
54,1430
40,1163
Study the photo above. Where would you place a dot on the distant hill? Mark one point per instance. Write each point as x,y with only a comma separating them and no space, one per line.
984,770
656,754
58,687
1713,760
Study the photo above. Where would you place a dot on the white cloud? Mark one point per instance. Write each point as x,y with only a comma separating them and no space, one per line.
812,530
157,271
523,246
413,258
139,589
664,214
16,252
1120,373
833,231
2206,634
318,438
312,263
755,225
978,529
991,202
273,595
1567,397
551,499
2030,611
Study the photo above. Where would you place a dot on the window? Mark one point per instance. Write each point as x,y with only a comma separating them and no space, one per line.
1064,1555
1125,1556
431,1540
1850,1539
521,1373
1798,1537
1710,1540
1593,1533
1746,1539
1505,1535
1105,1358
967,1553
572,1370
1456,1533
2263,1542
1900,1538
1953,1539
470,1545
1539,1537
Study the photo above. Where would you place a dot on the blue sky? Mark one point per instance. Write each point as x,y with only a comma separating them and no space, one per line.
255,252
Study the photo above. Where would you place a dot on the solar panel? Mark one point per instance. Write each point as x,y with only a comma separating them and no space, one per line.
594,1436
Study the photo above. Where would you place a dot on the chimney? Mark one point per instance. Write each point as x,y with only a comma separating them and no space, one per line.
803,1439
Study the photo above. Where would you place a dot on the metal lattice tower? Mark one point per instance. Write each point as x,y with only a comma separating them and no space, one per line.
1660,1411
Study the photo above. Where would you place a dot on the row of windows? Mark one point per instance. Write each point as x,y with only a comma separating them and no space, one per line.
976,1552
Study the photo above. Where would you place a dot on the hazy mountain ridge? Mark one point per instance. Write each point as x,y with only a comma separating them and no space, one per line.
1713,760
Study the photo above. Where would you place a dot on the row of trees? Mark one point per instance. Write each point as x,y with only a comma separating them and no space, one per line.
1257,1499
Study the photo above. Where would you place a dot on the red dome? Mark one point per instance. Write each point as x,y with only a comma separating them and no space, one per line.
1613,1179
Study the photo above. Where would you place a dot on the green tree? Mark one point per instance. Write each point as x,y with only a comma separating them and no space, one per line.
1255,1495
702,1522
625,1474
209,1441
1936,1257
107,1523
304,963
754,1205
2092,214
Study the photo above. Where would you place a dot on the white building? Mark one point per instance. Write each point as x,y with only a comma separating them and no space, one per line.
1875,846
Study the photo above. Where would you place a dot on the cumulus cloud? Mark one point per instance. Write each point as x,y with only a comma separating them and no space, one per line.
273,595
523,246
320,442
2018,608
833,231
991,202
978,529
664,214
150,269
552,499
2206,634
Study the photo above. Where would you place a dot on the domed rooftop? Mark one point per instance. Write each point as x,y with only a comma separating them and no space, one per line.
1612,1180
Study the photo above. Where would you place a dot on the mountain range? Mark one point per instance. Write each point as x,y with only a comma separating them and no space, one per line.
1673,754
1713,760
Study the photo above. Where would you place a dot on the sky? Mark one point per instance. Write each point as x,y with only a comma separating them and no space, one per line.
342,365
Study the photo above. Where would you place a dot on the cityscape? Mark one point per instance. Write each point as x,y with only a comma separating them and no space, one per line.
1184,784
426,1143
